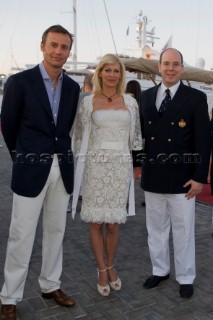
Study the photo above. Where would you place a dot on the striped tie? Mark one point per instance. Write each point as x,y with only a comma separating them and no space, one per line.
166,102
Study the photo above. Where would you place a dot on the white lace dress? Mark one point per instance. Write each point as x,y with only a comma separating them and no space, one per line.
108,161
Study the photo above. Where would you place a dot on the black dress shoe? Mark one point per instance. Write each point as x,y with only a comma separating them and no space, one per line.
153,281
186,290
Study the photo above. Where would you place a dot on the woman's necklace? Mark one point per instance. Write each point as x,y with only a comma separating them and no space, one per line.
109,99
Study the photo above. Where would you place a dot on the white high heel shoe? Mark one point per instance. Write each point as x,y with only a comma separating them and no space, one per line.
103,290
115,285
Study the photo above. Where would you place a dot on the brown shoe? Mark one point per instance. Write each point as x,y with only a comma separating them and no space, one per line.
8,312
60,298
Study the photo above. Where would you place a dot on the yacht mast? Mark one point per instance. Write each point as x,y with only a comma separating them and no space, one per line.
144,36
140,37
110,27
75,35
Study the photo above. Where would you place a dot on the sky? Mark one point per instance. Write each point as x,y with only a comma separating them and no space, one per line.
102,26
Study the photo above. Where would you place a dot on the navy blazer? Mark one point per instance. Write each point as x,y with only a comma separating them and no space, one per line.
31,134
177,143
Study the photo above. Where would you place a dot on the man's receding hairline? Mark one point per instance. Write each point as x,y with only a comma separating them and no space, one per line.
180,54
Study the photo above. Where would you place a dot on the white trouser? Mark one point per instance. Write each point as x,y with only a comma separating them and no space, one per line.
25,215
162,212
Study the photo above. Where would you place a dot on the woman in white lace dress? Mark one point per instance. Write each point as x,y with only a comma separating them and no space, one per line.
106,130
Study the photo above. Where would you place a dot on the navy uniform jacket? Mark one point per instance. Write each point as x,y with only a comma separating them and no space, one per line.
177,143
31,134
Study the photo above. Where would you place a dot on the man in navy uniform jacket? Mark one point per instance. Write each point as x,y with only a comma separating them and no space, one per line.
176,128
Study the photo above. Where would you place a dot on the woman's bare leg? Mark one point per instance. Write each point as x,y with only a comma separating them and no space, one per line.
112,238
97,242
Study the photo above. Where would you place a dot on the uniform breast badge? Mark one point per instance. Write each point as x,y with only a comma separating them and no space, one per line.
182,123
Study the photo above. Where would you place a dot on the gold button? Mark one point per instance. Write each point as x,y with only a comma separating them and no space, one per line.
152,138
169,140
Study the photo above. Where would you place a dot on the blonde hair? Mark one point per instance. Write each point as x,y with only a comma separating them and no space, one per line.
97,80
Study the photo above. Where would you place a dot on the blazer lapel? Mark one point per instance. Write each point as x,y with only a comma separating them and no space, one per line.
153,114
152,101
40,91
65,100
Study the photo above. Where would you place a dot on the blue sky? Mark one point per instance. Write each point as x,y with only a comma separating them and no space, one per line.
22,23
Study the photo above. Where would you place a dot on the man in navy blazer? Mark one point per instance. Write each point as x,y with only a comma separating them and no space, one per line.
38,111
176,128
